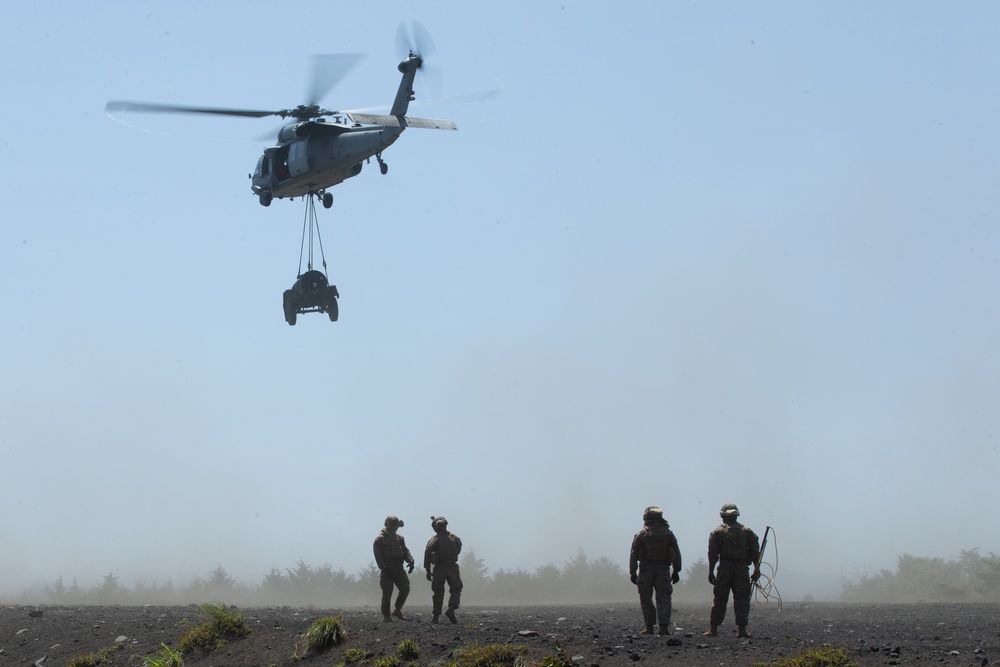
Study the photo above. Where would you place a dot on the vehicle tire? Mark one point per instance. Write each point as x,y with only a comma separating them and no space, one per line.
384,168
327,199
265,198
286,305
332,310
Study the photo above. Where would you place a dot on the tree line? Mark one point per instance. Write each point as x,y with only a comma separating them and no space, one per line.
580,580
971,578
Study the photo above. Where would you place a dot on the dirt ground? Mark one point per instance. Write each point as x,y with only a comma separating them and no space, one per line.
595,635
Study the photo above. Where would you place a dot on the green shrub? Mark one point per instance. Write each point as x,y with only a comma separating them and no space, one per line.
826,656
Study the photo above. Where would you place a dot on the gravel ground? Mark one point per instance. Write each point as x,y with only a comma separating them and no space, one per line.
597,635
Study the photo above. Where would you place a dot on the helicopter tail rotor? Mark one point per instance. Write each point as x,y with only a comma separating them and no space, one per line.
412,39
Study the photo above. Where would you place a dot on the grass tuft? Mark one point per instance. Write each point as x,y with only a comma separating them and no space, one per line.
826,656
408,650
166,657
558,660
487,655
324,634
223,624
103,657
352,655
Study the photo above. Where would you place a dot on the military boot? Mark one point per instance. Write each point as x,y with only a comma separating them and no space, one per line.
742,632
664,629
648,630
712,631
386,618
436,618
399,614
451,615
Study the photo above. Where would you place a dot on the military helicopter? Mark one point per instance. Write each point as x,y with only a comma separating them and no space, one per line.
314,154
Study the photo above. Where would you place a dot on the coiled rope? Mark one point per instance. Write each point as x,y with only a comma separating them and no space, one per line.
764,589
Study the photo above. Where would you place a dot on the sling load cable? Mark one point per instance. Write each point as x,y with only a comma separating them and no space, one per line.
766,591
310,225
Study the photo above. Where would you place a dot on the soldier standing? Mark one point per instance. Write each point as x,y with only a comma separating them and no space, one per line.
441,554
735,548
654,550
390,554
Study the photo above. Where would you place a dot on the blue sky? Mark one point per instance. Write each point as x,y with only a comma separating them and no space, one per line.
691,255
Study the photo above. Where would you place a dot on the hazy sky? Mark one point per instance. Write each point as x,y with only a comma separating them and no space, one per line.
691,255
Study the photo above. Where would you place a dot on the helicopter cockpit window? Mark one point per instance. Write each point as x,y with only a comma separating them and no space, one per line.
263,166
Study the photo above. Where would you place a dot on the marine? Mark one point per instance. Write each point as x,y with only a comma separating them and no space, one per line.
390,554
654,552
735,548
441,565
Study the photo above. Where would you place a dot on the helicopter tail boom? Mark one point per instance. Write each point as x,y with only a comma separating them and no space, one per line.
404,95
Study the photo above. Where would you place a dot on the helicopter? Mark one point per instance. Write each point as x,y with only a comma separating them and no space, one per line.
313,153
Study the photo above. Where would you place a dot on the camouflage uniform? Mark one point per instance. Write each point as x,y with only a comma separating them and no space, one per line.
390,554
735,548
654,550
441,564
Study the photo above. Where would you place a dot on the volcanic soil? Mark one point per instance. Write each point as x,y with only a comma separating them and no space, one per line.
590,635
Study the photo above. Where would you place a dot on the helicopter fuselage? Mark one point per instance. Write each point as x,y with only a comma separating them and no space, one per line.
312,154
315,155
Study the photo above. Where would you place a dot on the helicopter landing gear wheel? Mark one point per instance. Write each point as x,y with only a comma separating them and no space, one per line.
265,198
332,310
327,199
382,166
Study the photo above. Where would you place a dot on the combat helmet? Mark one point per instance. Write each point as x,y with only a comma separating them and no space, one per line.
652,513
393,520
438,521
729,511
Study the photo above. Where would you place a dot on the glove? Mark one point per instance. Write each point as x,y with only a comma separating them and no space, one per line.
755,576
409,568
429,577
711,578
674,579
634,579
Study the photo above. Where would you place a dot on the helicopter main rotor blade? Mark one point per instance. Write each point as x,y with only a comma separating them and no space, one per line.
120,106
328,71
